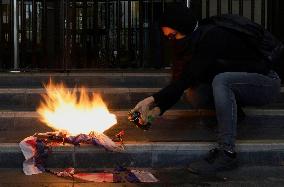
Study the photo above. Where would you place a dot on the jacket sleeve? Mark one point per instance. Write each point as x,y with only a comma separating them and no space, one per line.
199,69
190,77
170,95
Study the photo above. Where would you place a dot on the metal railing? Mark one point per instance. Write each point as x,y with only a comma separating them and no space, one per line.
88,34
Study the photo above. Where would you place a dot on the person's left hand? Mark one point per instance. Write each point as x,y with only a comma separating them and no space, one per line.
147,109
150,116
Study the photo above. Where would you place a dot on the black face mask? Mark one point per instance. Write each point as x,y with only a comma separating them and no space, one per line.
180,45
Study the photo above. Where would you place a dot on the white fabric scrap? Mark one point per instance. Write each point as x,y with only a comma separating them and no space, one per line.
29,167
144,176
29,151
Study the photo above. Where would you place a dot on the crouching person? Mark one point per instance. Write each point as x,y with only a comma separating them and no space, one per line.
230,66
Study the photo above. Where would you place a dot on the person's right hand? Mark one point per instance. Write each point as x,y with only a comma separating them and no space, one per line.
144,107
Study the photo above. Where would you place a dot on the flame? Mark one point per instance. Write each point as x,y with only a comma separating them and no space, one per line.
61,110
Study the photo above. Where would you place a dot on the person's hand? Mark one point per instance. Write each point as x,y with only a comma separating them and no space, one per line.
145,107
151,115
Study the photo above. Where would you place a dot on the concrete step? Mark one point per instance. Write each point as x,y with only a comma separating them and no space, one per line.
95,79
173,126
154,155
249,176
28,99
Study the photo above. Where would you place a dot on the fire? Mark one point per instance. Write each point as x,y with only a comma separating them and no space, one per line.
61,110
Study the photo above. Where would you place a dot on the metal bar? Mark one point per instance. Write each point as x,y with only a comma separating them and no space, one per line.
124,24
252,10
207,8
118,29
152,11
95,28
263,13
23,30
241,7
107,20
141,32
188,3
113,25
129,40
84,33
74,25
34,32
30,25
1,25
15,35
61,26
59,21
219,7
230,6
44,35
67,33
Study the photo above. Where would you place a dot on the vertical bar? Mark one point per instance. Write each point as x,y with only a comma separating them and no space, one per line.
152,11
252,10
67,41
207,8
219,7
230,6
1,26
107,20
58,23
129,26
44,35
73,22
84,33
61,26
263,13
30,22
118,7
15,35
95,28
141,30
188,3
113,25
23,30
124,24
241,7
34,32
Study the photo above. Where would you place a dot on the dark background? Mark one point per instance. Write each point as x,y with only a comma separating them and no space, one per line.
83,35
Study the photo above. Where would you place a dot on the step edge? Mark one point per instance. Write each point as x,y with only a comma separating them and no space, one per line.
241,146
181,112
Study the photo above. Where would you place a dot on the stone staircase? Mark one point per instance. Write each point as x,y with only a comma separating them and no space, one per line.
180,136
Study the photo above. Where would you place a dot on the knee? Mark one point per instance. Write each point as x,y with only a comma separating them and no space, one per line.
221,79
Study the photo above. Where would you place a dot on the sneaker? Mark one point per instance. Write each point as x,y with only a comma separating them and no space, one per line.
215,161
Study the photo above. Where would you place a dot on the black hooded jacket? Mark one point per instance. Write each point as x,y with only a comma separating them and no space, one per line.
213,50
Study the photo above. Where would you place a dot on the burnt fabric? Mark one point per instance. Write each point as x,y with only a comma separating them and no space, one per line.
36,150
216,51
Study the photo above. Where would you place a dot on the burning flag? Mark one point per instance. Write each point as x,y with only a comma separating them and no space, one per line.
75,121
61,110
